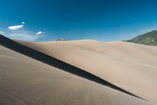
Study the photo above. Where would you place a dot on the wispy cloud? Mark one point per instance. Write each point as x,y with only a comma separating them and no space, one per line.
21,34
15,27
26,35
1,32
39,33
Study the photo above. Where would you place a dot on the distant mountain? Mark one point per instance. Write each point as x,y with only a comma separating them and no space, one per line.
149,38
64,39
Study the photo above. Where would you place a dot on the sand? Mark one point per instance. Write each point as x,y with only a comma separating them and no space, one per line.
77,73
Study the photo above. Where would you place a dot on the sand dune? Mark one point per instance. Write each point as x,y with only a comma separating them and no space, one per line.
83,73
123,64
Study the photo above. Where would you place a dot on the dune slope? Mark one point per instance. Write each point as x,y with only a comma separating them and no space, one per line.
129,66
26,80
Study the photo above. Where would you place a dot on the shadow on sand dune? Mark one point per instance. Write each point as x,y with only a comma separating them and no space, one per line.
8,43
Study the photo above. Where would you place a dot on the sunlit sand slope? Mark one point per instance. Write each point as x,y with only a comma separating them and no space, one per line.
132,67
27,80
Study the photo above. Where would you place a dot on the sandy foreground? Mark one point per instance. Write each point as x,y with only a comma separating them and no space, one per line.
83,72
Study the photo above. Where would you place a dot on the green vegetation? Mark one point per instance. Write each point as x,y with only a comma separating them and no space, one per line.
149,38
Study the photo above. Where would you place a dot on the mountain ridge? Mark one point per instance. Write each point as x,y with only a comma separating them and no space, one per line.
62,39
149,38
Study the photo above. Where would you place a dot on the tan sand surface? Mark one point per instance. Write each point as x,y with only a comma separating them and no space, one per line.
130,66
25,80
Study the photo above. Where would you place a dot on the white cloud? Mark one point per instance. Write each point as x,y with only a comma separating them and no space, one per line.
43,32
15,27
1,32
23,22
39,33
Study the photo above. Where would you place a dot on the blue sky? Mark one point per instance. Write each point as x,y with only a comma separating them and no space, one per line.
102,20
